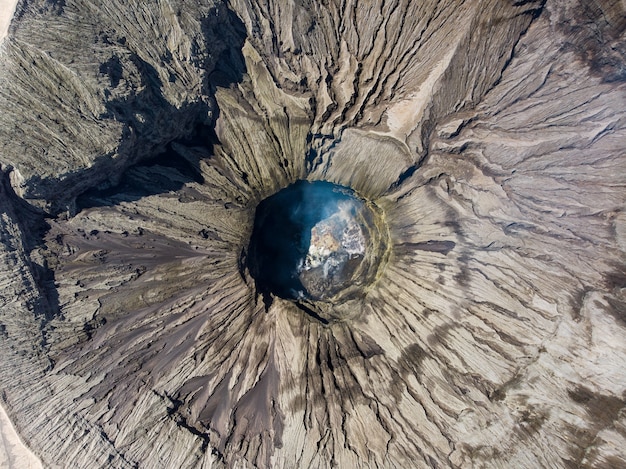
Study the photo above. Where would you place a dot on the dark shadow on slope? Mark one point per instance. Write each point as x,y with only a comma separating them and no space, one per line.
151,125
167,172
146,114
152,163
33,227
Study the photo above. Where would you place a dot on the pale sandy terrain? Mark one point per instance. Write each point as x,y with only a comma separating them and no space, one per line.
7,8
13,453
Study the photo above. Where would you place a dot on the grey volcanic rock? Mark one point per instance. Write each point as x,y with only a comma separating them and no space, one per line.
492,137
94,88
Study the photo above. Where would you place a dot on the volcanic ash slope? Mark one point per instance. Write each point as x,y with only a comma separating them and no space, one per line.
136,141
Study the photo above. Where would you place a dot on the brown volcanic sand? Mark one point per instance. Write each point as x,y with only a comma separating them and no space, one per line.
493,138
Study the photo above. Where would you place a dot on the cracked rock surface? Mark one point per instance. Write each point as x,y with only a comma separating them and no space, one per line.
137,140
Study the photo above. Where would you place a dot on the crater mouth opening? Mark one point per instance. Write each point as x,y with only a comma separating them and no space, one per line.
316,241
